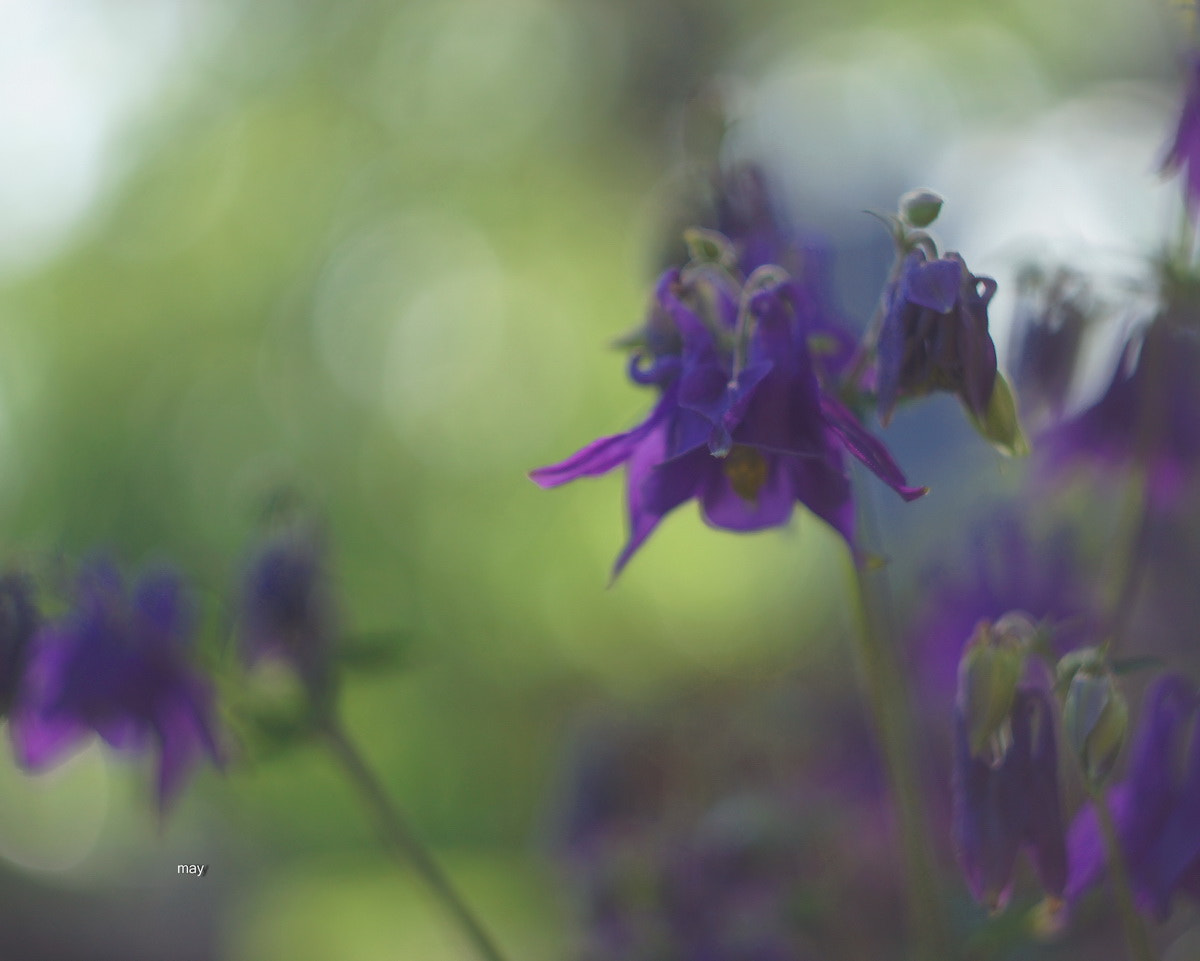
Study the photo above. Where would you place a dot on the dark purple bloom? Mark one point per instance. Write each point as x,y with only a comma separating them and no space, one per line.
1148,416
935,334
117,665
1156,808
287,605
1052,317
1006,803
1184,153
743,423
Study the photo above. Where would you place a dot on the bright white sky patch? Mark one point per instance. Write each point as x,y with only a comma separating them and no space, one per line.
73,74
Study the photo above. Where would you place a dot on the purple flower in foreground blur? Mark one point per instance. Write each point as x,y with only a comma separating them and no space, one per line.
1156,808
743,423
1005,569
1006,803
117,665
1184,153
1148,416
935,334
287,605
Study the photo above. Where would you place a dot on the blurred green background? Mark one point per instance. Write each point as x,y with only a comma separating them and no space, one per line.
373,253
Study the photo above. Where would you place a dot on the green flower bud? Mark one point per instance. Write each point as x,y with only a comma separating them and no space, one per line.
988,673
920,208
1096,720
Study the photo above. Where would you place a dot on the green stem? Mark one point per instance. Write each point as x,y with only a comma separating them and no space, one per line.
1136,937
401,840
888,698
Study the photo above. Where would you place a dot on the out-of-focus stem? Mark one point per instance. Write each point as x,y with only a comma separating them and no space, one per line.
888,697
402,842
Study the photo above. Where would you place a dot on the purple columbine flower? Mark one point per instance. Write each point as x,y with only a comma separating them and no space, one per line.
1184,153
935,334
1156,808
1008,799
287,605
745,423
1148,416
117,665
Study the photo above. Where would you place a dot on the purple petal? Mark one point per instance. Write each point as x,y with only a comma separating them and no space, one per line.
725,508
655,487
864,446
602,455
934,285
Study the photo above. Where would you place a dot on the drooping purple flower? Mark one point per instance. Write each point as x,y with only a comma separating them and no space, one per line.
1051,319
118,665
1148,417
1184,152
744,423
287,605
935,334
1156,808
1006,803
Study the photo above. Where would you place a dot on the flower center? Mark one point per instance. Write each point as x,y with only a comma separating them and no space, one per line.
746,469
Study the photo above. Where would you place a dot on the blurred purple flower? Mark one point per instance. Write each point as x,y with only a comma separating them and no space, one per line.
935,334
1148,416
1004,804
1051,319
117,665
1156,808
743,423
1005,570
287,607
1184,153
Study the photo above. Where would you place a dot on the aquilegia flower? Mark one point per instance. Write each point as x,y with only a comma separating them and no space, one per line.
117,665
1148,416
287,606
1156,808
1008,799
935,334
1184,153
745,422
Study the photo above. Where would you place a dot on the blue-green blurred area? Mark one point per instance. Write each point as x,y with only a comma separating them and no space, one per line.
372,253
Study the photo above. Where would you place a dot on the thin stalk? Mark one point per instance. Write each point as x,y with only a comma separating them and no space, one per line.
1136,938
401,840
888,698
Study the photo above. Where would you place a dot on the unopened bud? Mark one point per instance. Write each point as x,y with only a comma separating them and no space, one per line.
988,673
920,207
1096,720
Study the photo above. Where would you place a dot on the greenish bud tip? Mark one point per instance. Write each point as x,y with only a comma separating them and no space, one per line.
710,247
920,208
1096,722
988,674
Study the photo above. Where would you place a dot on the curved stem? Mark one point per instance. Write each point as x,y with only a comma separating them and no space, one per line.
1136,937
888,698
401,840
